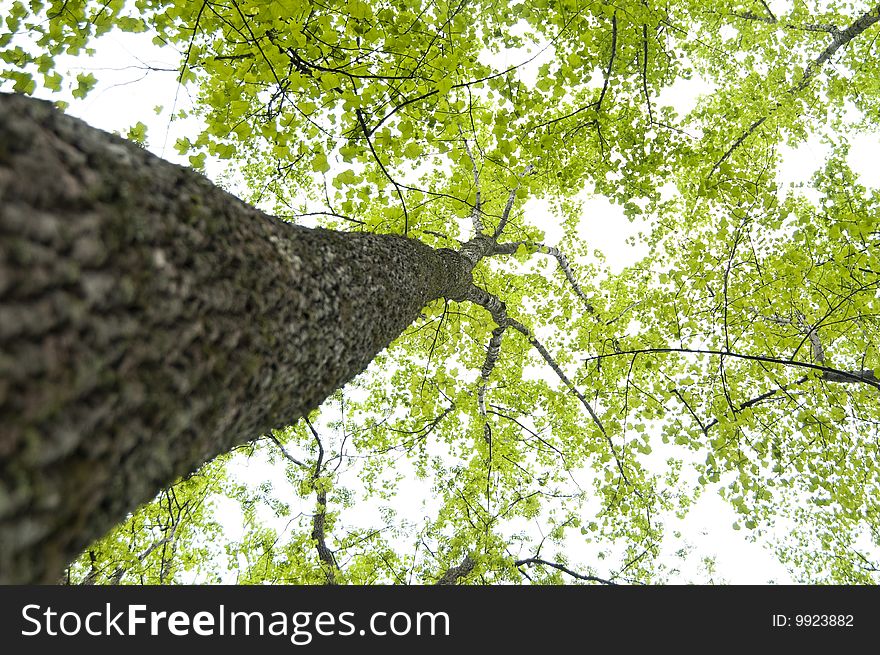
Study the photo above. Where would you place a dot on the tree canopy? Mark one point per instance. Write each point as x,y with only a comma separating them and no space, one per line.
554,437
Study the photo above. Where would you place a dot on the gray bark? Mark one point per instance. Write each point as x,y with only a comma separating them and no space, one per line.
149,321
456,573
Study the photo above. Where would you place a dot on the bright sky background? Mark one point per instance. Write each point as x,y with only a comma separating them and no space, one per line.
127,92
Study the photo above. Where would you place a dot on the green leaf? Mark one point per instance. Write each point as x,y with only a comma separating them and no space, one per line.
138,133
444,85
182,145
412,150
320,163
85,82
197,161
24,83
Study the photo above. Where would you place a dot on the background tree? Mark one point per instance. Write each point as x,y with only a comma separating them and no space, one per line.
737,357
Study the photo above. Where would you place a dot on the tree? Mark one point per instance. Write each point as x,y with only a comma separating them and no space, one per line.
738,357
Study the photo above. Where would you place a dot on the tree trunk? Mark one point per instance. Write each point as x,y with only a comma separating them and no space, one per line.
149,321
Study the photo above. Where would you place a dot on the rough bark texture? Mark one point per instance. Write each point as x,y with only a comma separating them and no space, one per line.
456,573
150,321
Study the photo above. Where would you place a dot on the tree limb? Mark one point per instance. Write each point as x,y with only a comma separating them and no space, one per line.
537,561
331,567
827,373
510,200
610,61
840,39
561,259
477,208
456,573
498,310
360,118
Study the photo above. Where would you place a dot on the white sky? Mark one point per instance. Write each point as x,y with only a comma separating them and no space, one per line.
127,94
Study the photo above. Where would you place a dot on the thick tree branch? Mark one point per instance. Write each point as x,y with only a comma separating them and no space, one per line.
498,310
561,259
509,206
492,353
839,40
284,451
810,333
827,373
868,376
537,561
319,521
610,61
456,573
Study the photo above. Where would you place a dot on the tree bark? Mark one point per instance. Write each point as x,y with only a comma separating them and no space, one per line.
150,321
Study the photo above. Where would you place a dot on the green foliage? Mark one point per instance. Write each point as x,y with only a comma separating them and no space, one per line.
137,133
714,364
